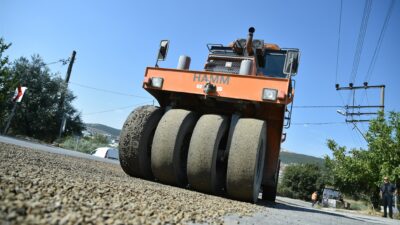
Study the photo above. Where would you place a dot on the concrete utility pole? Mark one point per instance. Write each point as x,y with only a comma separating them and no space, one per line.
9,119
19,93
353,107
63,93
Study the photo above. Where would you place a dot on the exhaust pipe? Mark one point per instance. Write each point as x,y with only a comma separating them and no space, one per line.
249,42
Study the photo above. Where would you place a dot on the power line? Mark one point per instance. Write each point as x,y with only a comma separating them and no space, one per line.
125,94
379,43
116,109
320,123
359,47
63,61
108,91
338,48
318,106
338,44
360,41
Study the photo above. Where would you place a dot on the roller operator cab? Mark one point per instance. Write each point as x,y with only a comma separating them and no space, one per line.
219,130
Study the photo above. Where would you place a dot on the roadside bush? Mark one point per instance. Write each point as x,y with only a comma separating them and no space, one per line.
86,144
301,180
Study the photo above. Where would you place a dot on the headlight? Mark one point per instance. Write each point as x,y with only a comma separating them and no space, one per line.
269,94
157,82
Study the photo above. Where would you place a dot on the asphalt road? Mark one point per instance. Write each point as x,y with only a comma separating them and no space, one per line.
57,186
52,149
296,212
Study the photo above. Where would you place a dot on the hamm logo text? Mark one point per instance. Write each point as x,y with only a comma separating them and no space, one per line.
216,79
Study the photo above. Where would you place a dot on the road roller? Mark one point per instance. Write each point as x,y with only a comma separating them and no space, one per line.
218,130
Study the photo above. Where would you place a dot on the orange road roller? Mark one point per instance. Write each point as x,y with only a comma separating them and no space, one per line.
219,130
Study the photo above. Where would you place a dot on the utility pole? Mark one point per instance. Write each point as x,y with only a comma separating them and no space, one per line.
19,93
352,107
63,93
10,118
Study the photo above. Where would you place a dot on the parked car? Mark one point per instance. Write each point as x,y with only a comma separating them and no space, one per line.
107,152
332,197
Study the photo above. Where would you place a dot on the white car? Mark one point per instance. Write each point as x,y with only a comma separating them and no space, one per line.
106,152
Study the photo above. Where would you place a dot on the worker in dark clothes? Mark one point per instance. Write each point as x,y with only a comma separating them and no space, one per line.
386,193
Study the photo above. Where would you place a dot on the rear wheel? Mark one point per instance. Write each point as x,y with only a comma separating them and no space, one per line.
170,146
205,143
246,160
136,139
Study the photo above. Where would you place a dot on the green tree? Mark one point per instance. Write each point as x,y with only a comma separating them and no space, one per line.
39,114
300,180
86,144
359,172
6,81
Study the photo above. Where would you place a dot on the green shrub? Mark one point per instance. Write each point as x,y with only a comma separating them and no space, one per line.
86,145
301,180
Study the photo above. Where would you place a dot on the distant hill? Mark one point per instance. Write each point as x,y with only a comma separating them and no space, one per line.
291,157
102,129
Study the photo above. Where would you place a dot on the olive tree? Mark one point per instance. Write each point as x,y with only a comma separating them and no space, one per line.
359,172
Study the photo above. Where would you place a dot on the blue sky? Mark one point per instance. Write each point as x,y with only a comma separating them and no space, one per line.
116,40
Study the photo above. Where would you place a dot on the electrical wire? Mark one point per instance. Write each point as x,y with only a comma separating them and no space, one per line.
366,96
364,129
338,43
63,61
380,40
125,94
352,134
319,123
108,91
338,48
359,132
318,106
115,109
360,44
360,41
378,46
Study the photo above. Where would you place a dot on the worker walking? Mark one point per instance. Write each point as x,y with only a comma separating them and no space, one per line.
386,193
314,198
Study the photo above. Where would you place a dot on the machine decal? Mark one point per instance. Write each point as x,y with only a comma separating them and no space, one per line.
216,79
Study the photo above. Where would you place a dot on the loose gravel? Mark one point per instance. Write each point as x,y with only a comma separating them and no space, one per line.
44,188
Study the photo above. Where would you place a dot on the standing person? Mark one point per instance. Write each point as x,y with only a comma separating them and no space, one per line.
314,198
386,193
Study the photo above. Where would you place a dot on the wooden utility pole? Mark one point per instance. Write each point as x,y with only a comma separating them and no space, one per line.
63,93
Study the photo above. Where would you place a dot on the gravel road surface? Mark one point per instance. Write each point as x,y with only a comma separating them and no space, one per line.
45,188
38,187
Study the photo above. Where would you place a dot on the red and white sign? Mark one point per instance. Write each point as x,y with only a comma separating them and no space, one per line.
19,93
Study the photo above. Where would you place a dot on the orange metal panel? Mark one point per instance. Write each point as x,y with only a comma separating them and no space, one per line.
245,87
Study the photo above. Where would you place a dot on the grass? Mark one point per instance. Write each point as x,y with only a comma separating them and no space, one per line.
365,207
358,205
86,145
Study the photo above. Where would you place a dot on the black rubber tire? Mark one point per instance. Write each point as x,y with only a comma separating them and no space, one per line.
136,139
246,160
203,151
170,146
